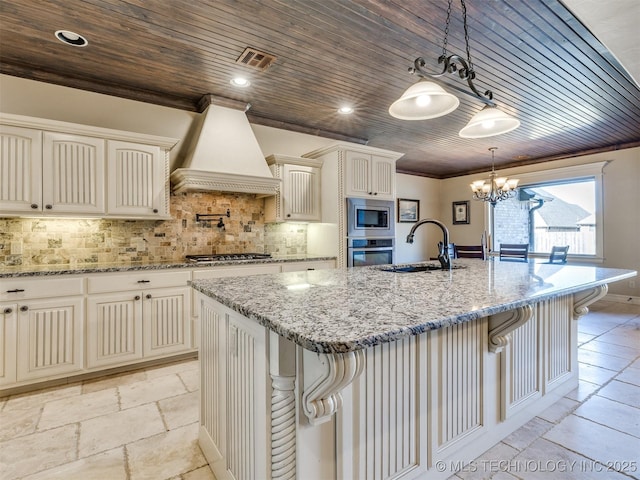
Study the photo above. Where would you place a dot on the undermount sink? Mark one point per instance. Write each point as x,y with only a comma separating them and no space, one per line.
416,268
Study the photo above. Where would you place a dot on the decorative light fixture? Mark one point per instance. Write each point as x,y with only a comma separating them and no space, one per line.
495,188
427,99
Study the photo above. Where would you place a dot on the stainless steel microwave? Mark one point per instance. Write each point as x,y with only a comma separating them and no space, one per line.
370,218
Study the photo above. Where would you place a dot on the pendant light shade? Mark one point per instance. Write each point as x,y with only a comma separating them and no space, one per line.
422,101
488,122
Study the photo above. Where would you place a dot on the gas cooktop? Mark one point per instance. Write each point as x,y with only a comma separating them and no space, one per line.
217,257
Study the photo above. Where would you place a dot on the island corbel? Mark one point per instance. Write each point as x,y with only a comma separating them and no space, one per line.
502,324
582,300
322,399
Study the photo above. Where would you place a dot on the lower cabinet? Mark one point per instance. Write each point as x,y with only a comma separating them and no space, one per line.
41,338
138,324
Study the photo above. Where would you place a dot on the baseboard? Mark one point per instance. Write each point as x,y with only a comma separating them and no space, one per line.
612,297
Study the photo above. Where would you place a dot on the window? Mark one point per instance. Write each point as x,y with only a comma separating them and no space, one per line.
558,207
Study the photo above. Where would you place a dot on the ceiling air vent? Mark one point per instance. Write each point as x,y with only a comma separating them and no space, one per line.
256,59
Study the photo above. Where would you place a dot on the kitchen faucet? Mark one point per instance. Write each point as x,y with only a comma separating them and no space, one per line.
443,248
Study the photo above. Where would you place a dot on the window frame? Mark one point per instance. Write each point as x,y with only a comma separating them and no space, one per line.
590,171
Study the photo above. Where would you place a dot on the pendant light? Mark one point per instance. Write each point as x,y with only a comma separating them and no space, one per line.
495,188
488,122
426,99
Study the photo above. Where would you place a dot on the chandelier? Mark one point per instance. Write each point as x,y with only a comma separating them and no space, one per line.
495,188
426,99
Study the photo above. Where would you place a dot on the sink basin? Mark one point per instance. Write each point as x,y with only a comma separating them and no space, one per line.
415,268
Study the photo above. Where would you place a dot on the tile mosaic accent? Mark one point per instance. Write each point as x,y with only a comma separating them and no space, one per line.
61,241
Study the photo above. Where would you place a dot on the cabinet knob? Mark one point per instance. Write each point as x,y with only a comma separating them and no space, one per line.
155,210
148,295
16,290
137,297
24,308
288,214
7,310
370,193
48,207
375,193
34,206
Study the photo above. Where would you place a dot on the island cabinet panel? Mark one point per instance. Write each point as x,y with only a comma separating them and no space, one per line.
384,412
560,336
521,369
235,401
458,381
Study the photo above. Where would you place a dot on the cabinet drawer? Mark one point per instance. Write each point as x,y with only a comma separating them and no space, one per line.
20,288
311,265
238,271
106,282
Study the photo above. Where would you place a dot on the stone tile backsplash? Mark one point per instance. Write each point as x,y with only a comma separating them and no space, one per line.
40,241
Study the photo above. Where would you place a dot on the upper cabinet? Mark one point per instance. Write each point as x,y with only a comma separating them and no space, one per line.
50,168
298,198
370,175
137,180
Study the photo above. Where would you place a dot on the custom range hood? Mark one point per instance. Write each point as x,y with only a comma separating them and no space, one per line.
225,155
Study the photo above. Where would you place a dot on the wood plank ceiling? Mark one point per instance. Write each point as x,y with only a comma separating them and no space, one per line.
543,65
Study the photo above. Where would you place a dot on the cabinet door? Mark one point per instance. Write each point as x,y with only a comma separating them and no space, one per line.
20,170
166,322
114,329
383,182
301,193
73,174
358,174
137,180
50,336
8,341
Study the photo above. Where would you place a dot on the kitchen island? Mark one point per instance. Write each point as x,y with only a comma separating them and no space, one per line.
370,373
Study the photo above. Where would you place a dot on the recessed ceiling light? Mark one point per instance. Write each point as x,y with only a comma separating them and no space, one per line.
71,38
240,82
345,110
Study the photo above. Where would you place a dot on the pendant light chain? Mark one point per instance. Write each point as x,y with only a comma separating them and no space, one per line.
446,31
466,38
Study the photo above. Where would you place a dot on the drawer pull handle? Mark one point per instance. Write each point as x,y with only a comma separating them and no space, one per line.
17,290
24,308
144,281
7,310
148,295
137,297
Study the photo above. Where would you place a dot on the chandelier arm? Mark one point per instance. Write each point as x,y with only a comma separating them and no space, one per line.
450,65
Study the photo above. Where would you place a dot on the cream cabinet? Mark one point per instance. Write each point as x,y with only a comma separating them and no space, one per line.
62,169
42,329
234,389
370,176
137,316
51,172
298,198
138,180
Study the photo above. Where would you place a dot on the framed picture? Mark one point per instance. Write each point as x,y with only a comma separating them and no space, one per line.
460,212
408,210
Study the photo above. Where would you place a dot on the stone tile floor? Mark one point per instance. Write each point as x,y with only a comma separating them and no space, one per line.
144,424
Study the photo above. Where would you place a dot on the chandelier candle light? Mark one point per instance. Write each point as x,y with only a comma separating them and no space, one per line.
495,188
426,99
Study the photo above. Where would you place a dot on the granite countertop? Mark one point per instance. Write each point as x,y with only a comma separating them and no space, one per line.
345,310
67,269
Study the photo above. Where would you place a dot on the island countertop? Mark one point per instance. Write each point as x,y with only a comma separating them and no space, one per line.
343,310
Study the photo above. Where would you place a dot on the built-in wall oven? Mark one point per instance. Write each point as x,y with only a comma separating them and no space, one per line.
370,218
362,252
